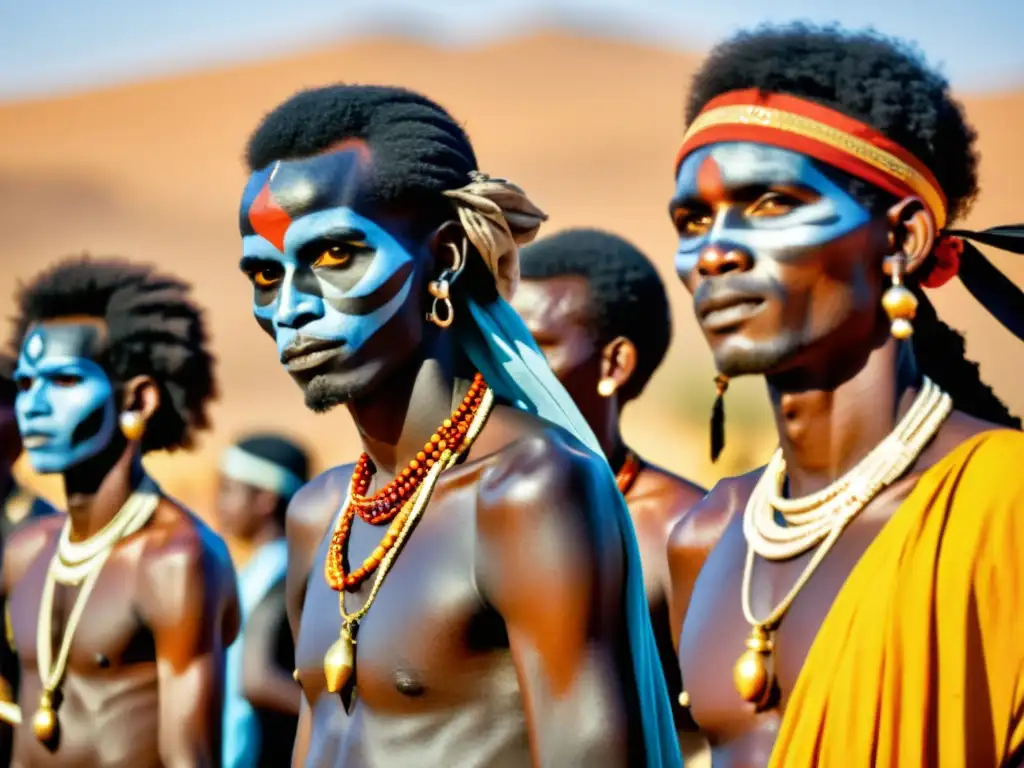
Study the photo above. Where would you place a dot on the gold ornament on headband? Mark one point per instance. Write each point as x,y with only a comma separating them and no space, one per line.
497,217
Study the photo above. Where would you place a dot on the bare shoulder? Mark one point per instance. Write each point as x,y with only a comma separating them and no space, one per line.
27,542
536,469
701,526
182,551
314,506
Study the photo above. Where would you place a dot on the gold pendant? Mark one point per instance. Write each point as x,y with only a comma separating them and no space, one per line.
340,661
752,675
44,722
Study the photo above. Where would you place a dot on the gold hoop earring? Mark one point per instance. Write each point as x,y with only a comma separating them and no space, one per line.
899,303
133,426
606,387
440,289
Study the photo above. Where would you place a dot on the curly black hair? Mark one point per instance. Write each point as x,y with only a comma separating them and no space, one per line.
627,294
152,329
419,149
887,84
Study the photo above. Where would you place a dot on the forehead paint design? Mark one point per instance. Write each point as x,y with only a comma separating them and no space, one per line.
65,405
347,304
708,175
286,190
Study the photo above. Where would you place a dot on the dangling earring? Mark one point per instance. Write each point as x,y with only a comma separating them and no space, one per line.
899,303
606,387
440,289
133,426
718,417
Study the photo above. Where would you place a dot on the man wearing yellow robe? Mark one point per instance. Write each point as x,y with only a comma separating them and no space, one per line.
865,605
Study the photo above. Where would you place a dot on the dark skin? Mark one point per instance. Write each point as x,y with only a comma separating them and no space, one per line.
558,313
144,681
838,383
497,638
252,515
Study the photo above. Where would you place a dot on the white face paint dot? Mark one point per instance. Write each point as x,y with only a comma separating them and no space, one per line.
34,346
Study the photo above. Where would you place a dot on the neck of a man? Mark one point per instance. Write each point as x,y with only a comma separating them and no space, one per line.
267,533
604,421
826,428
97,489
399,416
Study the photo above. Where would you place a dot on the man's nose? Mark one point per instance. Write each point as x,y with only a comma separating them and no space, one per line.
717,260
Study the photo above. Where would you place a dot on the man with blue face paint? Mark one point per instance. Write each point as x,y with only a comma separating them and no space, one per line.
17,506
120,610
862,607
492,610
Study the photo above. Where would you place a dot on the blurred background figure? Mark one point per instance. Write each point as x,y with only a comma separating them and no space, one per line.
258,476
18,505
596,307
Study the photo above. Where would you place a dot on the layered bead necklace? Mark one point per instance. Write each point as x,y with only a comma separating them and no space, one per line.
80,564
401,502
818,520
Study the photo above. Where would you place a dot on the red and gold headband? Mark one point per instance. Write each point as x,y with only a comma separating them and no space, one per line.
789,122
792,123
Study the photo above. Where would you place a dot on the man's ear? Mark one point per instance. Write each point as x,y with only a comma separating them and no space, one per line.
141,395
912,232
445,244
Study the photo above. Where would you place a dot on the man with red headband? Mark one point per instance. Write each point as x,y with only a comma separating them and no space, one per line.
863,608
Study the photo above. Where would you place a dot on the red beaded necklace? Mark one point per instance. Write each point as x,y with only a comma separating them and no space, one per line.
393,502
627,473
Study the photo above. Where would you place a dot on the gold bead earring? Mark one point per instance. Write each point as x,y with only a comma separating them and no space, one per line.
133,426
899,303
606,387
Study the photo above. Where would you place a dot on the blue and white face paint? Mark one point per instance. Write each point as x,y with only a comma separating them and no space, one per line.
778,255
328,280
65,403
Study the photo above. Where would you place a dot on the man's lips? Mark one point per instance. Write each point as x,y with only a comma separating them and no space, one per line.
34,440
309,354
726,310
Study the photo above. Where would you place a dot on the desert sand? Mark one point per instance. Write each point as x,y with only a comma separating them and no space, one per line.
153,171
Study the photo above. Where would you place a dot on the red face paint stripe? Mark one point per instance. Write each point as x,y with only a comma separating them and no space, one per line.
269,220
709,180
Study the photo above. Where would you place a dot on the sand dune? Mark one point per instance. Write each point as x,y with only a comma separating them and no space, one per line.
153,172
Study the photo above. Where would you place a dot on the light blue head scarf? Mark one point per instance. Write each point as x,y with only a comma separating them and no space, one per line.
498,217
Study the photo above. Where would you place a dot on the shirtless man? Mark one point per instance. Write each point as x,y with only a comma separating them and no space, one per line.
597,308
512,627
16,507
862,607
113,364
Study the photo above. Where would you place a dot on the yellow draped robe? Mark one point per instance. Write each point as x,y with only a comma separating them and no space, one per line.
920,660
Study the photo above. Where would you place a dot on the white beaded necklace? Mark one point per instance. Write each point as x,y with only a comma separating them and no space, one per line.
77,563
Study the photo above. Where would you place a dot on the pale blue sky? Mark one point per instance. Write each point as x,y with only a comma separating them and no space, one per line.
49,46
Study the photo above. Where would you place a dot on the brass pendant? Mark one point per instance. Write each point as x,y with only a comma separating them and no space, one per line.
752,675
340,661
44,722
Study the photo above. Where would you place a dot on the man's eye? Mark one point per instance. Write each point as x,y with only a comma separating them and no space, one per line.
337,255
66,380
773,204
23,383
265,278
692,223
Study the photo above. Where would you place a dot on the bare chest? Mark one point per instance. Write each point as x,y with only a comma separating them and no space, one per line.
715,631
428,641
110,633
